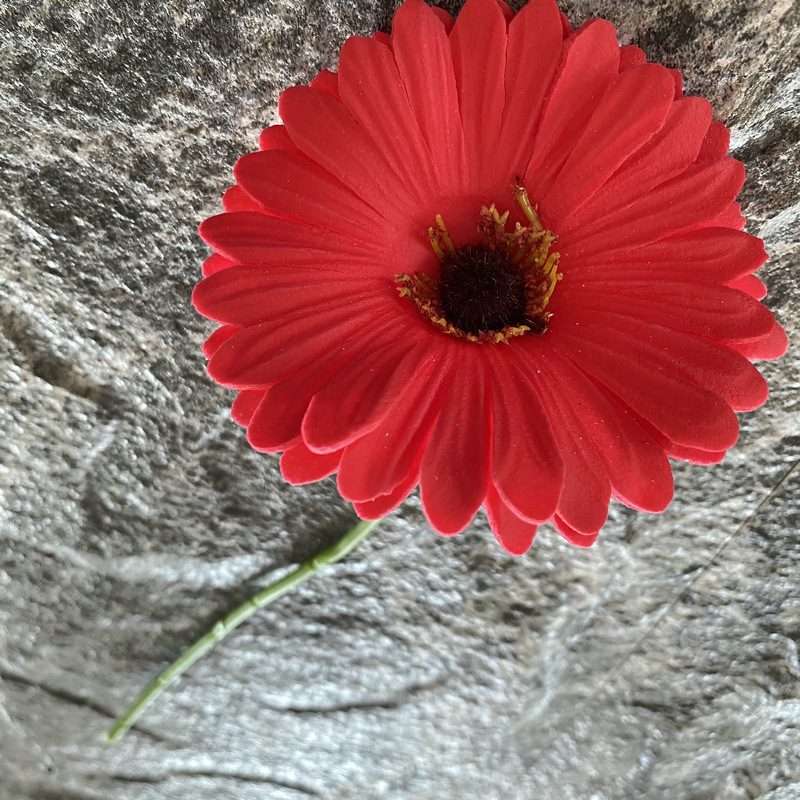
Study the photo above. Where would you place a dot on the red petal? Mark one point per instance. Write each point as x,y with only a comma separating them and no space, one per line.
478,42
711,366
713,311
591,63
455,467
276,138
245,404
586,491
772,346
505,10
534,52
277,422
573,536
358,400
527,469
216,263
633,108
327,133
258,239
327,82
443,17
384,458
246,295
636,466
678,205
665,155
373,92
751,285
299,465
262,355
711,255
291,186
514,534
236,199
677,79
731,217
379,507
218,338
425,61
716,143
692,454
631,57
648,371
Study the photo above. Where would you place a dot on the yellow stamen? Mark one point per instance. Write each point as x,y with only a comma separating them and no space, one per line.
433,238
521,196
448,242
550,289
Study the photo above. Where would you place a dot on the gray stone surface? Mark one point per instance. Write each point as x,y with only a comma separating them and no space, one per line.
663,663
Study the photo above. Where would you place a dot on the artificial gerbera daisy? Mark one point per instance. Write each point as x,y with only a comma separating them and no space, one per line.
495,258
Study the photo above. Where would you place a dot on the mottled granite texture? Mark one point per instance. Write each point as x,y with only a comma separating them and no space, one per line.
662,663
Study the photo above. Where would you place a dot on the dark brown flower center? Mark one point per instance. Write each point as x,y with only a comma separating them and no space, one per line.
489,292
481,290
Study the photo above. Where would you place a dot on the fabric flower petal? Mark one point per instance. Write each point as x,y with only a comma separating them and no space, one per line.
325,130
635,464
299,465
277,422
522,435
532,57
356,402
260,240
643,376
716,143
216,263
707,256
425,62
245,405
218,338
772,346
384,458
236,199
326,82
709,364
248,295
590,64
750,285
514,534
717,312
276,137
586,491
253,360
678,205
662,157
632,110
380,506
288,185
478,42
573,536
369,79
454,473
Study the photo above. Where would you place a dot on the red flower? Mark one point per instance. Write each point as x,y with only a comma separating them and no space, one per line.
386,320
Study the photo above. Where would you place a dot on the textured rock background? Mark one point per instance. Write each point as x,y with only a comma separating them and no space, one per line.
663,663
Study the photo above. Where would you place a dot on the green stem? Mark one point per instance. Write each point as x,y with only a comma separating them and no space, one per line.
330,555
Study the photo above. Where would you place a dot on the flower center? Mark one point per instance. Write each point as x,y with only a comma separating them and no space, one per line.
489,292
480,289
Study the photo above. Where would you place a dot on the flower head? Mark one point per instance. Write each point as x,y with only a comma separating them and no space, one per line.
496,258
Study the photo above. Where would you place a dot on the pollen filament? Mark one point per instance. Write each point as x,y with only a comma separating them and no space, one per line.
524,257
